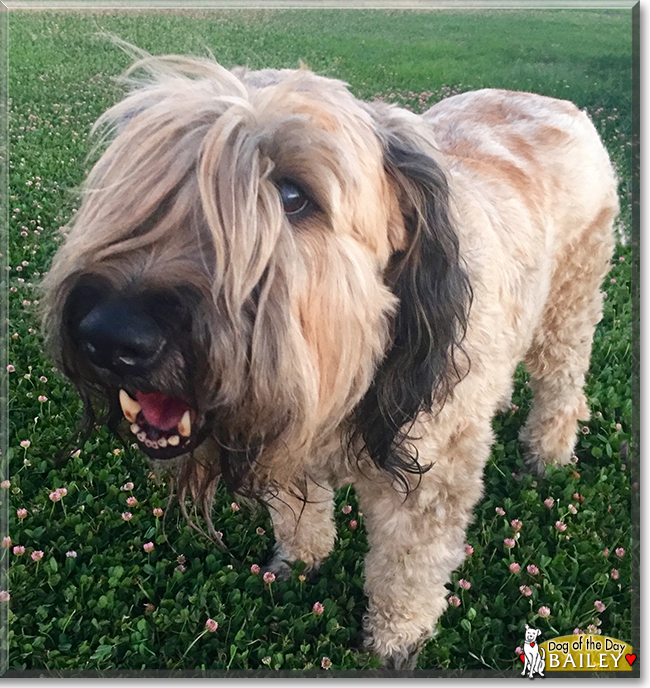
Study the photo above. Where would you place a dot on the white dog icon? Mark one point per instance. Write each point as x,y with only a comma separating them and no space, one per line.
534,660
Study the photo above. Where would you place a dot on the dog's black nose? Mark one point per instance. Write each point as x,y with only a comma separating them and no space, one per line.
121,336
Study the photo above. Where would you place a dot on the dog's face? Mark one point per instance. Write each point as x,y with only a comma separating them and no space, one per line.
531,634
234,269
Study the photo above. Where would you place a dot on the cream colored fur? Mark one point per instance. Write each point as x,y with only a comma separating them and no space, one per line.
533,200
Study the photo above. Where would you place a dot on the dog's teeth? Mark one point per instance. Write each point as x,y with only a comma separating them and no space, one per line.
130,407
162,442
185,426
135,428
148,443
142,436
173,441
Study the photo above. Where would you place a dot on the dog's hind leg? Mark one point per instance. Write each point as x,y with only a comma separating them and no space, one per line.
558,358
303,522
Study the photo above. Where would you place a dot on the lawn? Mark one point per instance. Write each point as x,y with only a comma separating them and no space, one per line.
85,593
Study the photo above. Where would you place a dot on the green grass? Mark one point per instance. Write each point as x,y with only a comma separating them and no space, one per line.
116,606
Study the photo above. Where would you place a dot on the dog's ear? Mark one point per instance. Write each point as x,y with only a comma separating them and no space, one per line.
425,360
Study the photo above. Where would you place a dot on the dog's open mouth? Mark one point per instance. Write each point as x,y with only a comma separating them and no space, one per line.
161,424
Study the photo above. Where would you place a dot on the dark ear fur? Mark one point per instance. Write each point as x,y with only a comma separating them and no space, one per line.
421,368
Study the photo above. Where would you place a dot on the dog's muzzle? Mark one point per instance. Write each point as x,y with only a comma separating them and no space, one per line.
118,336
124,340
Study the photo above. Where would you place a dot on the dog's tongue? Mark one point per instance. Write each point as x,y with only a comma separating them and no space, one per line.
161,411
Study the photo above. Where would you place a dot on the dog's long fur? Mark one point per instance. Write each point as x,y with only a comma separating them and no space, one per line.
369,341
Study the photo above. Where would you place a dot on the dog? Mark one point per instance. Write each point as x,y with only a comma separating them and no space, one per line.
534,657
271,282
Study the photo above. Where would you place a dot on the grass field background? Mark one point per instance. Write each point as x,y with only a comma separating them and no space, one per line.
94,599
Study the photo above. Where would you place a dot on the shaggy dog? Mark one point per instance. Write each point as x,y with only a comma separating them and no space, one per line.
272,282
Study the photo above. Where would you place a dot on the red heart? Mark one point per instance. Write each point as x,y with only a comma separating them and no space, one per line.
523,658
532,644
630,659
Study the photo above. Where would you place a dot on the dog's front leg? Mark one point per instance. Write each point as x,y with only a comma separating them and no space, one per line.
415,544
303,522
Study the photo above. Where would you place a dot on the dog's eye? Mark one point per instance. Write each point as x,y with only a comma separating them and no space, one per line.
294,200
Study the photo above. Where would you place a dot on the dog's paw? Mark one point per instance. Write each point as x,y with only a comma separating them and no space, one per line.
281,565
534,464
506,406
404,658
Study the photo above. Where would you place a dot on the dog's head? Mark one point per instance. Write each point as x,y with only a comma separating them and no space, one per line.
259,258
531,634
